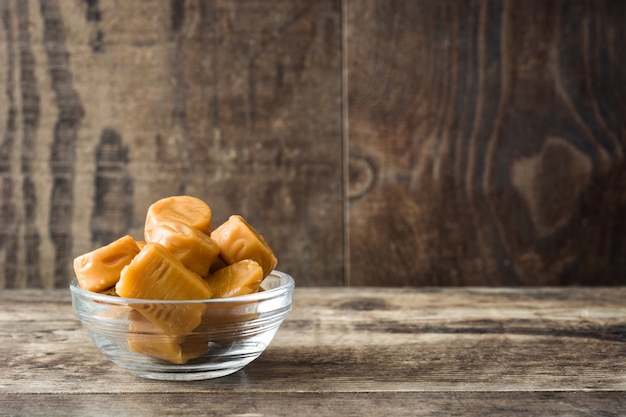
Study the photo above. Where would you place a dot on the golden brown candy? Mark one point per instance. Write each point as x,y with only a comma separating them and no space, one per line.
182,208
238,241
156,275
146,338
175,349
241,278
195,249
100,269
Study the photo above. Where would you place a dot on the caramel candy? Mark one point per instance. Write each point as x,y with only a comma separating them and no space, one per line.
238,241
146,335
156,275
184,209
196,250
100,269
146,338
241,278
176,349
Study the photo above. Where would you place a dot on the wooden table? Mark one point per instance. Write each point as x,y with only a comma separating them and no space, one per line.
348,352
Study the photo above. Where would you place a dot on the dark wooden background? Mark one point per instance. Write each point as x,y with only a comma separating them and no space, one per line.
372,142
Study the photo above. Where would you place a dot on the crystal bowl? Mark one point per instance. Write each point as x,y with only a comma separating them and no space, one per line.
185,340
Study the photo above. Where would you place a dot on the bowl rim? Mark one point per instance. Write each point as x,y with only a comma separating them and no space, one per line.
286,287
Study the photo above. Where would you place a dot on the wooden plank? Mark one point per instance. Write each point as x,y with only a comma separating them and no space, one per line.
486,138
341,341
219,403
109,106
486,142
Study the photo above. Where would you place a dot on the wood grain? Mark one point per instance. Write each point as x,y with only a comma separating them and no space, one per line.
486,142
430,142
109,106
349,351
220,403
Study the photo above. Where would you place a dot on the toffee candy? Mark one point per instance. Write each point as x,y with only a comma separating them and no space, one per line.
99,270
238,241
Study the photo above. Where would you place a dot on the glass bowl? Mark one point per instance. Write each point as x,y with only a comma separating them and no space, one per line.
185,340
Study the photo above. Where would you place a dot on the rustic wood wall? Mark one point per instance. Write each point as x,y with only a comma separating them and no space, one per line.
372,142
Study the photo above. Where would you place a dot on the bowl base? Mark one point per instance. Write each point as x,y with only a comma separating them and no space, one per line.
217,362
186,376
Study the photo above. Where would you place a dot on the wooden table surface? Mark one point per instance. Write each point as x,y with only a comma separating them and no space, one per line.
348,351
